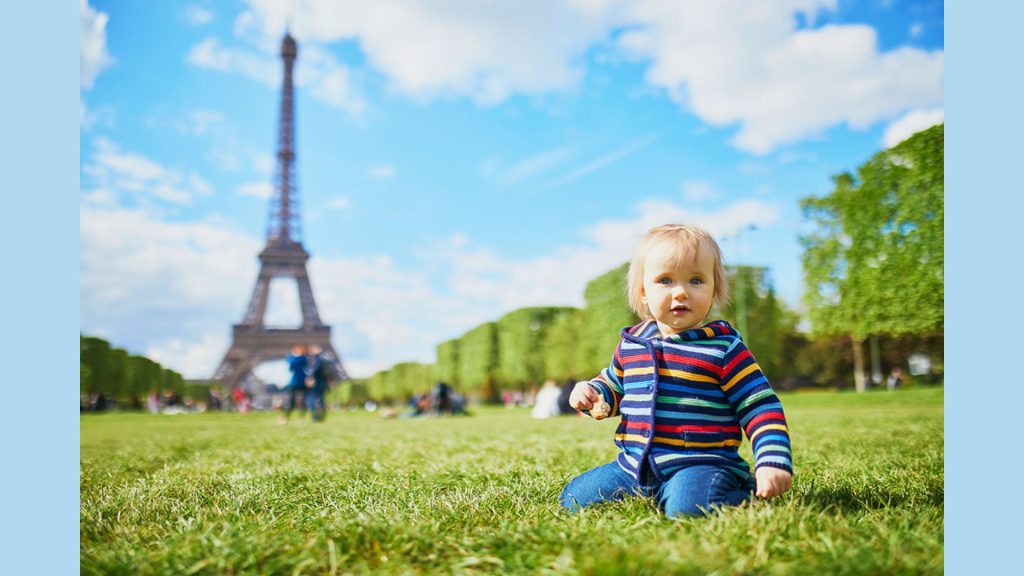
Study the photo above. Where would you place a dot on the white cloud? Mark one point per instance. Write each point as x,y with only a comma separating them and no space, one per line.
123,176
737,63
89,117
210,54
327,80
339,203
197,15
911,123
335,89
191,358
93,54
698,191
721,223
730,62
486,51
263,162
200,186
381,172
262,190
156,286
202,121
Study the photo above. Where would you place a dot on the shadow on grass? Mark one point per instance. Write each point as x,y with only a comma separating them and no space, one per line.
847,499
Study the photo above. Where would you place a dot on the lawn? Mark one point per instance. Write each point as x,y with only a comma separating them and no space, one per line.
225,493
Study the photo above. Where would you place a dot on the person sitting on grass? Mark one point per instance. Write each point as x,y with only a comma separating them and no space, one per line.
684,390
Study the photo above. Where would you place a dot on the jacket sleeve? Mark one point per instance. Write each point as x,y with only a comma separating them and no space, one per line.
609,381
758,408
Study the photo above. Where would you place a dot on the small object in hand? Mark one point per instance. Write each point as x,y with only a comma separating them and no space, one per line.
601,409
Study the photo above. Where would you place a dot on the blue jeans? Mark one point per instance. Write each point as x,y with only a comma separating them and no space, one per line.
315,403
691,491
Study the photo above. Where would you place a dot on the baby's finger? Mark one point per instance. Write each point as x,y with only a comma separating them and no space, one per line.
584,404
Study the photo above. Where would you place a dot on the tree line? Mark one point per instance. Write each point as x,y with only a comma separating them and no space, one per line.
873,272
112,375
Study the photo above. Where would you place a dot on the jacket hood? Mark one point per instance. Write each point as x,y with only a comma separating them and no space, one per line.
648,330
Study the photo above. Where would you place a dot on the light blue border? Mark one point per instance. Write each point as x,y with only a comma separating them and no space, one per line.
39,235
984,296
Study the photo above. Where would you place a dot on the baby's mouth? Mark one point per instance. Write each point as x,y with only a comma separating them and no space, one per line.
680,308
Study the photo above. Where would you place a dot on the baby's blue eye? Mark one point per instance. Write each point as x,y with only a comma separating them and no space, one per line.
696,281
665,281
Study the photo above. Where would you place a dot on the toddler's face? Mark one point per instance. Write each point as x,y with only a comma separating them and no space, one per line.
678,291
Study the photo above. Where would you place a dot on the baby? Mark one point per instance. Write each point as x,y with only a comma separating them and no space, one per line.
686,391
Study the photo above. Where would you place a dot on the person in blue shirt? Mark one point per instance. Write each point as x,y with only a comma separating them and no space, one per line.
298,362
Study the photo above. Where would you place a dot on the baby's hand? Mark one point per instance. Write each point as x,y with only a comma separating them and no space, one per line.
585,397
772,481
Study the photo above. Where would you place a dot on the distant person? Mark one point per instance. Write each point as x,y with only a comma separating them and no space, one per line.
458,404
213,399
419,404
545,404
97,402
895,379
241,399
295,392
153,402
700,378
440,398
317,383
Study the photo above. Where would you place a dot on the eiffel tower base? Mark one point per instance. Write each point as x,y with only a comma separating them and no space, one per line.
252,346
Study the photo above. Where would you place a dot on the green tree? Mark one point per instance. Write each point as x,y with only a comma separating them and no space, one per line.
412,377
448,363
478,360
376,386
604,317
352,391
97,358
118,387
521,337
146,376
563,347
766,319
874,259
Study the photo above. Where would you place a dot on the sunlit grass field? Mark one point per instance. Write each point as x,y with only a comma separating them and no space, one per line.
226,493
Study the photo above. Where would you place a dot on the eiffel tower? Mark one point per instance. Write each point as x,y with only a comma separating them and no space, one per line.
283,257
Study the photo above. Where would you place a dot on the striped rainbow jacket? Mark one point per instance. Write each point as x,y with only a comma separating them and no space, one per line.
683,400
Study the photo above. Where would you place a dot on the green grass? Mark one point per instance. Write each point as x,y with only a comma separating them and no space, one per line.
239,494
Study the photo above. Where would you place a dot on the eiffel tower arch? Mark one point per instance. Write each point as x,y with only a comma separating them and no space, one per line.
252,341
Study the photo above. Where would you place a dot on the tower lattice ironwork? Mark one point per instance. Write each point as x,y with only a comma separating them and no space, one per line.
253,342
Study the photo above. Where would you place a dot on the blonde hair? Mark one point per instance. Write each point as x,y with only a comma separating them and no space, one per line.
687,240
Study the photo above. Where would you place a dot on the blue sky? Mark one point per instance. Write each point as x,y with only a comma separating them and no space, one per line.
457,160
